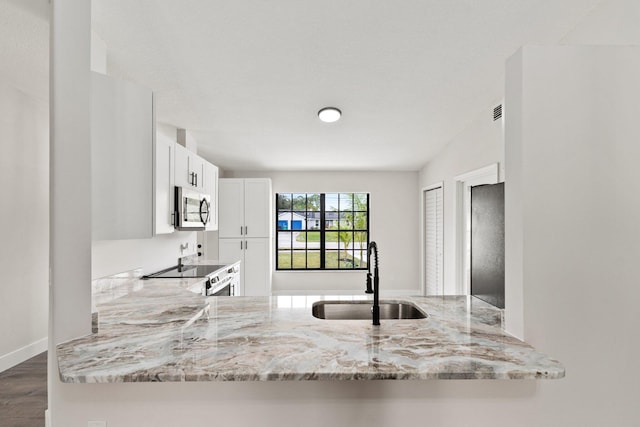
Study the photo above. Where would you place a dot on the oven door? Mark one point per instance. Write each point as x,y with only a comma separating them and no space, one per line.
193,209
224,292
219,285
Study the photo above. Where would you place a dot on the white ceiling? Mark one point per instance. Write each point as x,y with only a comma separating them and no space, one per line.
247,77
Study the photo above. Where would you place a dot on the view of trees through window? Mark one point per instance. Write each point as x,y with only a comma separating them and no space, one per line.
322,231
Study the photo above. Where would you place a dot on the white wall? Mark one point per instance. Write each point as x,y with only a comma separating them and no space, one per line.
393,205
478,145
116,256
70,187
24,252
578,185
98,54
513,206
24,177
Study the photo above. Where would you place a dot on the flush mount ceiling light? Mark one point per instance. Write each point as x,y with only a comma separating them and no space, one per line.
329,114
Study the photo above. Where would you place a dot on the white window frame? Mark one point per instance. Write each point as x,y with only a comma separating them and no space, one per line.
463,184
423,240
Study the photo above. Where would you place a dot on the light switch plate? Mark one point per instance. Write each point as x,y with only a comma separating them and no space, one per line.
95,423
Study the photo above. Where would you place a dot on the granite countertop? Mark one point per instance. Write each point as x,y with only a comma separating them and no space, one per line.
163,332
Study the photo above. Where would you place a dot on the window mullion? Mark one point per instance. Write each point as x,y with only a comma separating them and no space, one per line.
306,231
322,230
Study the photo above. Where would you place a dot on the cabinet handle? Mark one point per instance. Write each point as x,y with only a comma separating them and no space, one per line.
240,244
196,179
246,245
246,230
241,230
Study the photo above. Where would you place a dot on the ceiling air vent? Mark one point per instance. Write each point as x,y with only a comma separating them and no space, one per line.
497,112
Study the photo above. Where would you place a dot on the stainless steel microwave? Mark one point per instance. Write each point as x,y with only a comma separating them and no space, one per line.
192,209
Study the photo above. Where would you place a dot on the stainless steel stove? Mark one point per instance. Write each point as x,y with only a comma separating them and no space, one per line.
222,279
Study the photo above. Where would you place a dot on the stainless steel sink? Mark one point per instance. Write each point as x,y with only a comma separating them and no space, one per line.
361,310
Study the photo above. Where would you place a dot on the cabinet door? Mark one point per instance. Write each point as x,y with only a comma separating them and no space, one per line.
122,141
164,185
181,167
196,171
257,207
257,267
230,250
189,169
231,212
211,188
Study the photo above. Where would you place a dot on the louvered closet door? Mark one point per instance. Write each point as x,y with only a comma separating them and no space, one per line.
433,238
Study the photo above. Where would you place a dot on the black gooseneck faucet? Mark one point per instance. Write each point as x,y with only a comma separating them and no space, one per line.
375,310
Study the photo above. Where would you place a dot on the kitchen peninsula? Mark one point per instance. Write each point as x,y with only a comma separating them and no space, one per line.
164,332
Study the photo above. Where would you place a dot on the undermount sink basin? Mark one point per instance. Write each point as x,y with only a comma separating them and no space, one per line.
361,310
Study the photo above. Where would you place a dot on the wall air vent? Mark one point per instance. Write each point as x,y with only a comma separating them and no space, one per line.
497,112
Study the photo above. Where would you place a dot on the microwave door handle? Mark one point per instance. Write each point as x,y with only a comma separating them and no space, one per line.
206,219
202,202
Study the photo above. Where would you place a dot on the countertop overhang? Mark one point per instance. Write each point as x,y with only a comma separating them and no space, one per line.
161,332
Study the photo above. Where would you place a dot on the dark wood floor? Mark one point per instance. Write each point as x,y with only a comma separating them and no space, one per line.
23,393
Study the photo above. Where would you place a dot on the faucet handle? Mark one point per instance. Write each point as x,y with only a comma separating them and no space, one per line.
369,290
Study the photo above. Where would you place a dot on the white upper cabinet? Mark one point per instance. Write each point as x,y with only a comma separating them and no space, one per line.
245,207
181,168
189,169
211,188
122,142
231,214
257,207
197,168
164,181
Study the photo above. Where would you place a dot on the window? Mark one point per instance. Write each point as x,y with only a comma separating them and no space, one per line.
322,231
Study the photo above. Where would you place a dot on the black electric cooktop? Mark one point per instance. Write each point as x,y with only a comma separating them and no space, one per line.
185,271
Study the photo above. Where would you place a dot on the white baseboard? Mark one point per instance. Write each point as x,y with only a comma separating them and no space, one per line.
18,356
47,418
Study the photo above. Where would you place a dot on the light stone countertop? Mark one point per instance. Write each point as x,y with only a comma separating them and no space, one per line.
162,332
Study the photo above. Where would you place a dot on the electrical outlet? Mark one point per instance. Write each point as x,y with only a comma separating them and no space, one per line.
95,423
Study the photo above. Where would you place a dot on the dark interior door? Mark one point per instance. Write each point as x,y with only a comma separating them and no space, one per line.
487,243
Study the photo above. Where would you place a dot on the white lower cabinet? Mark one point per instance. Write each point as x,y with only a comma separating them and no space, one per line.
255,267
